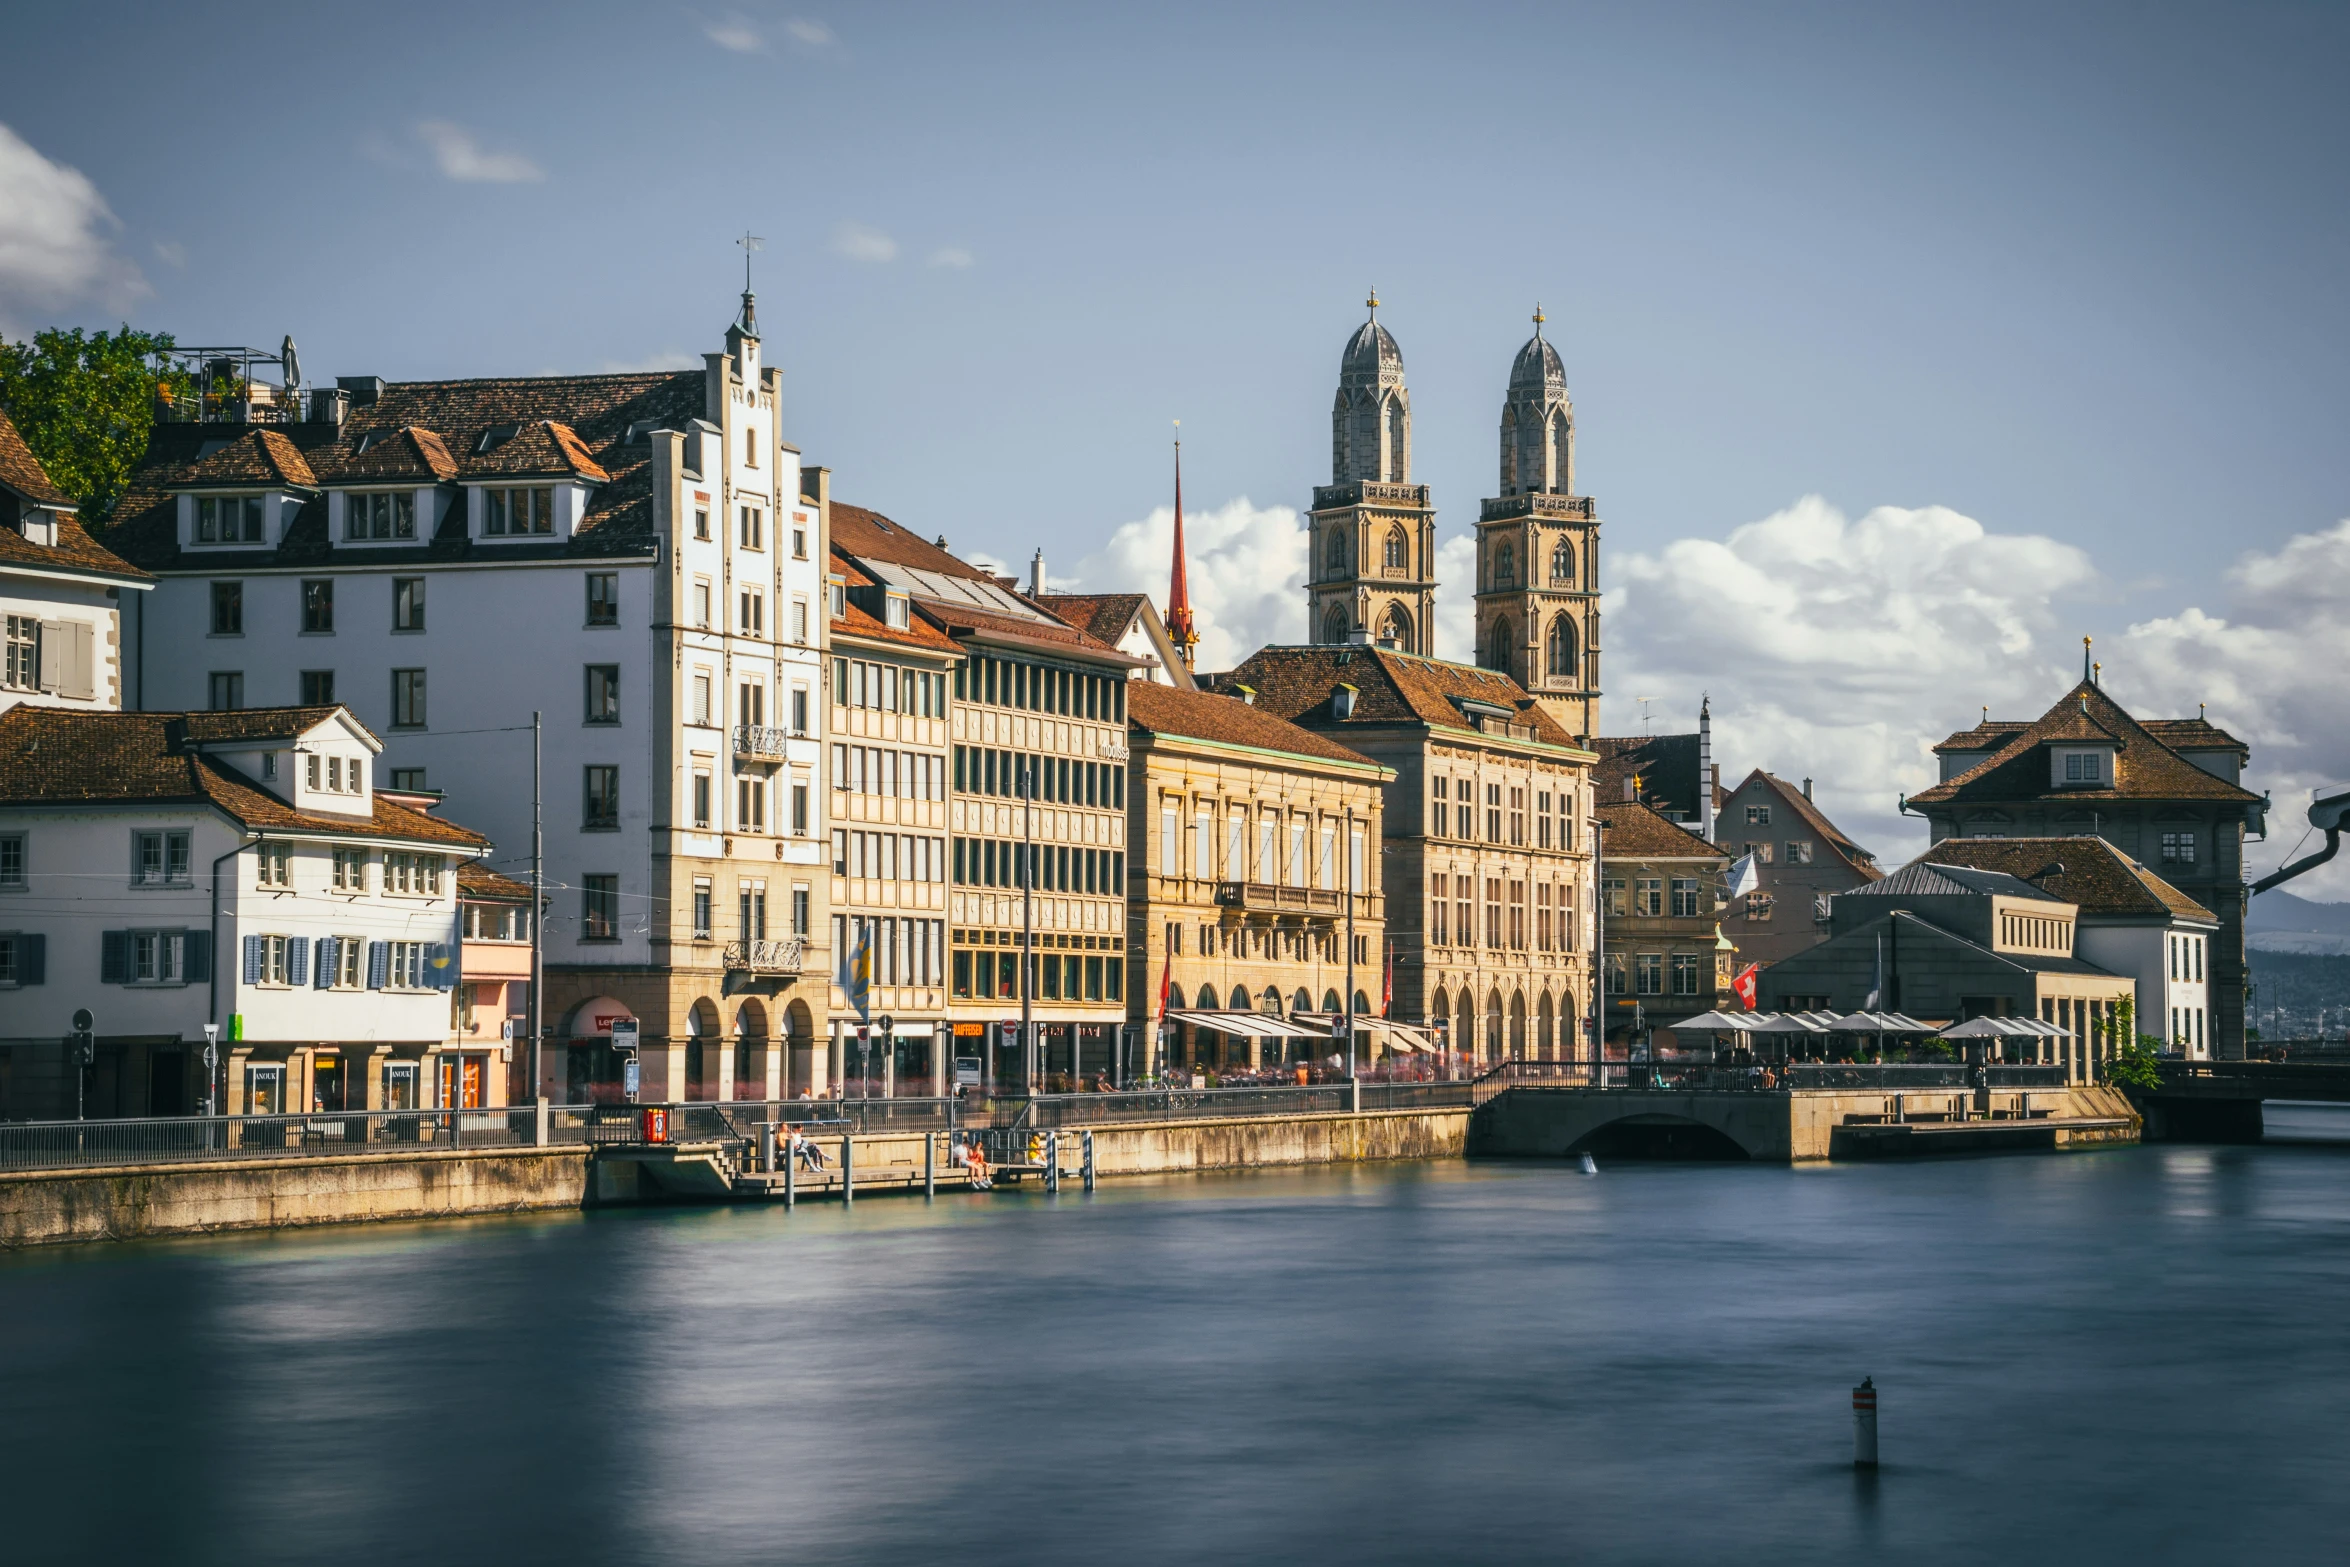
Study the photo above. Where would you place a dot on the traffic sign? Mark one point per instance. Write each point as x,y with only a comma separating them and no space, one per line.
886,1023
624,1033
82,1021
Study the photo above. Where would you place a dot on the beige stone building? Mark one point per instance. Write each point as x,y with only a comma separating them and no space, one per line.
1250,834
1662,888
1373,531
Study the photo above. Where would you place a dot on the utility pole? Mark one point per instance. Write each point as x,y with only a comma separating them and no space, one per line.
1598,956
538,908
1029,1052
1347,1006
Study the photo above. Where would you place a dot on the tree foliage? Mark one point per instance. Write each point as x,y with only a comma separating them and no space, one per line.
2132,1064
84,403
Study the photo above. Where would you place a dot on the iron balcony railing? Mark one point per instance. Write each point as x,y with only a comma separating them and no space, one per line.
51,1145
1256,897
761,745
768,957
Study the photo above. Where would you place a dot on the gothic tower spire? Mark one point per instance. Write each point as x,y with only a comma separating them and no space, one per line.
1374,533
1179,627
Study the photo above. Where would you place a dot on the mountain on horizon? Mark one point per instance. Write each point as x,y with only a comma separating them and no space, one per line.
2277,921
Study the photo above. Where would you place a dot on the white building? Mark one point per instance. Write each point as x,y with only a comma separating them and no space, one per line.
163,871
60,594
636,558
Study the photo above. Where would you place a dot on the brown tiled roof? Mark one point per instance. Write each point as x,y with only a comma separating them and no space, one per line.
870,534
1801,804
2088,872
1635,828
74,550
256,457
476,880
596,413
2145,770
2193,734
916,633
1198,715
406,453
960,617
52,757
1104,616
22,472
1989,735
1391,687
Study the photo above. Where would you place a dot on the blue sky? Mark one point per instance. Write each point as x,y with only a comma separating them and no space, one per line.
2073,274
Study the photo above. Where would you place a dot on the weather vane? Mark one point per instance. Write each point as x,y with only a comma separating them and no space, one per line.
749,243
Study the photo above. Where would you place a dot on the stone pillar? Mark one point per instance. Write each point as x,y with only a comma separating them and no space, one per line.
767,1060
662,1072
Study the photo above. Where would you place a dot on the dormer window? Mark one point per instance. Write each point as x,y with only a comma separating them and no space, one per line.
897,610
838,593
495,436
228,519
518,511
381,514
2085,769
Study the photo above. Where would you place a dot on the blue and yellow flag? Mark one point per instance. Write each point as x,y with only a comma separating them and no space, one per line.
860,985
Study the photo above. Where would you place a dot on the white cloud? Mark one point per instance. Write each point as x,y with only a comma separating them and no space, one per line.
735,33
860,243
460,156
1456,609
1842,650
171,253
951,256
809,32
56,247
1247,573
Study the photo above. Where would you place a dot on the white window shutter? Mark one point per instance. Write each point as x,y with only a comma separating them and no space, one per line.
52,653
80,678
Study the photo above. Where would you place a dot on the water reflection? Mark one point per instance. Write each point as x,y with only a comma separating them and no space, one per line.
1423,1363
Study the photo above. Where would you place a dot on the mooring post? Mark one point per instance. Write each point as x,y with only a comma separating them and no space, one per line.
848,1167
1052,1161
540,1137
767,1146
1864,1424
1089,1161
791,1190
929,1164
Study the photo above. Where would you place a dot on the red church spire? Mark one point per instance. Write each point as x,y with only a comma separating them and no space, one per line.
1179,626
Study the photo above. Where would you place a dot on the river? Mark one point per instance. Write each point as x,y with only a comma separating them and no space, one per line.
2133,1356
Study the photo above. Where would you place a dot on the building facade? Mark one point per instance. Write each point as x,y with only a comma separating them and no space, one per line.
1662,889
489,1020
1801,861
2164,792
165,871
636,559
61,594
1486,854
1252,869
1372,531
1538,549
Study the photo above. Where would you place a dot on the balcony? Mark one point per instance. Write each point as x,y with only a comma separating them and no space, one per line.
1256,897
767,957
753,744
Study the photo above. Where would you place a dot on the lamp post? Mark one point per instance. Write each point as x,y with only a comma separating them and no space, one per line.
1028,1042
1347,1004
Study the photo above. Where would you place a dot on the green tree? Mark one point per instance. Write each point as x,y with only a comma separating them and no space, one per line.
2134,1054
84,403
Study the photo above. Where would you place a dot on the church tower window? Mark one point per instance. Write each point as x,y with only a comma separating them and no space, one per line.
1397,549
1562,562
1561,659
1334,626
1505,565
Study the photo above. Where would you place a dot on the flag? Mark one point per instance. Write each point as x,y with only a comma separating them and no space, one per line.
1166,984
1387,989
860,986
1744,984
1744,878
1877,990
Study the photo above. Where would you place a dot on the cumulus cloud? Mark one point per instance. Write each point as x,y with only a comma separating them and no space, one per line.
56,238
808,32
735,33
951,256
860,243
1247,573
459,155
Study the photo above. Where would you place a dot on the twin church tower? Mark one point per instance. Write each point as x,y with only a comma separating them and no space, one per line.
1373,569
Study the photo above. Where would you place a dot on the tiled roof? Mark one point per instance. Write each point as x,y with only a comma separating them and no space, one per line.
870,534
476,880
2029,962
51,757
957,617
2193,734
74,550
407,453
1391,687
1801,804
2086,871
595,414
256,457
22,472
1634,828
917,632
1157,709
1102,615
2147,769
1924,878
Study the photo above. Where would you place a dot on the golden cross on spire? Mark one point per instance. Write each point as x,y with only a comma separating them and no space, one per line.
1539,318
1372,304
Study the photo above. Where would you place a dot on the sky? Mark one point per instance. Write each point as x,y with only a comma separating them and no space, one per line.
1908,344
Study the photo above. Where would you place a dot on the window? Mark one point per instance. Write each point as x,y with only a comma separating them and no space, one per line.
701,799
837,596
750,804
269,960
701,908
275,864
518,511
1651,896
751,910
1395,550
599,908
341,962
1760,851
228,519
1799,851
698,706
799,810
226,690
1518,818
1618,972
603,693
1648,969
228,609
1493,926
413,874
751,619
402,777
407,699
800,904
404,966
1758,816
157,957
701,522
1437,811
2178,848
603,598
12,862
1614,892
702,605
750,527
1685,898
22,671
1685,969
1562,561
318,607
2083,767
383,514
799,621
1439,926
318,688
799,710
1493,813
1759,905
601,812
407,603
350,870
799,537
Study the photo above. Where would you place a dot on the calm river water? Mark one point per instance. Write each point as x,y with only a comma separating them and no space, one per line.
2130,1356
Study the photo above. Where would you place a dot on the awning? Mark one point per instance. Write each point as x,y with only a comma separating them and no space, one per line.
2006,1028
1399,1036
1784,1023
1716,1022
1247,1025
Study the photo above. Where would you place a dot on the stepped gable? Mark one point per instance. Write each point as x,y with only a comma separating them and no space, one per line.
2018,772
2088,872
485,429
1633,827
1200,715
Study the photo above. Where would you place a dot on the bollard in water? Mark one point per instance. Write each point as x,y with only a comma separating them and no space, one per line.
929,1165
767,1146
1089,1161
1052,1161
848,1167
791,1190
1864,1424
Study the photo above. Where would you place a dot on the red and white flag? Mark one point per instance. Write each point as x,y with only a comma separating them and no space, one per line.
1744,984
1387,993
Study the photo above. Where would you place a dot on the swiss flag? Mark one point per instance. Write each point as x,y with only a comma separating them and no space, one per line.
1744,985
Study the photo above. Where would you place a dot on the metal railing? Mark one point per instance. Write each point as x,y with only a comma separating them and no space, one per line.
763,745
768,957
57,1145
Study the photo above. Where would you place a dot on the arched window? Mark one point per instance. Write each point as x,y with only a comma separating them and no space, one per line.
1398,549
1561,644
1464,1038
1441,1008
1330,1001
1362,1005
1494,1036
1545,1043
1334,626
1505,565
1397,469
1207,998
1562,437
1499,646
1303,1001
1509,450
1334,553
1238,1000
1270,1001
1397,628
1562,561
1174,998
1518,1028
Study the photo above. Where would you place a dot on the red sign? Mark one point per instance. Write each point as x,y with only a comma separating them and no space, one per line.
1744,985
656,1123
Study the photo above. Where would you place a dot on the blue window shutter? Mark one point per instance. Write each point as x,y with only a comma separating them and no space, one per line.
297,962
252,960
329,959
379,964
114,957
197,951
32,958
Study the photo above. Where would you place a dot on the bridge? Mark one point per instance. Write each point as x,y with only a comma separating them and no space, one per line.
2219,1101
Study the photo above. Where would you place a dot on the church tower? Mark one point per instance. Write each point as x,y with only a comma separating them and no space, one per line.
1373,533
1538,549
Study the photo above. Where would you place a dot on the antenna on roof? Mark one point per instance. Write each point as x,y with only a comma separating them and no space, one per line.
749,242
1645,715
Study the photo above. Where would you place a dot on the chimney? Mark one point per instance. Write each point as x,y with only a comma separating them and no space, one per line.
1705,768
364,390
328,404
1036,576
1807,788
1247,694
1631,788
